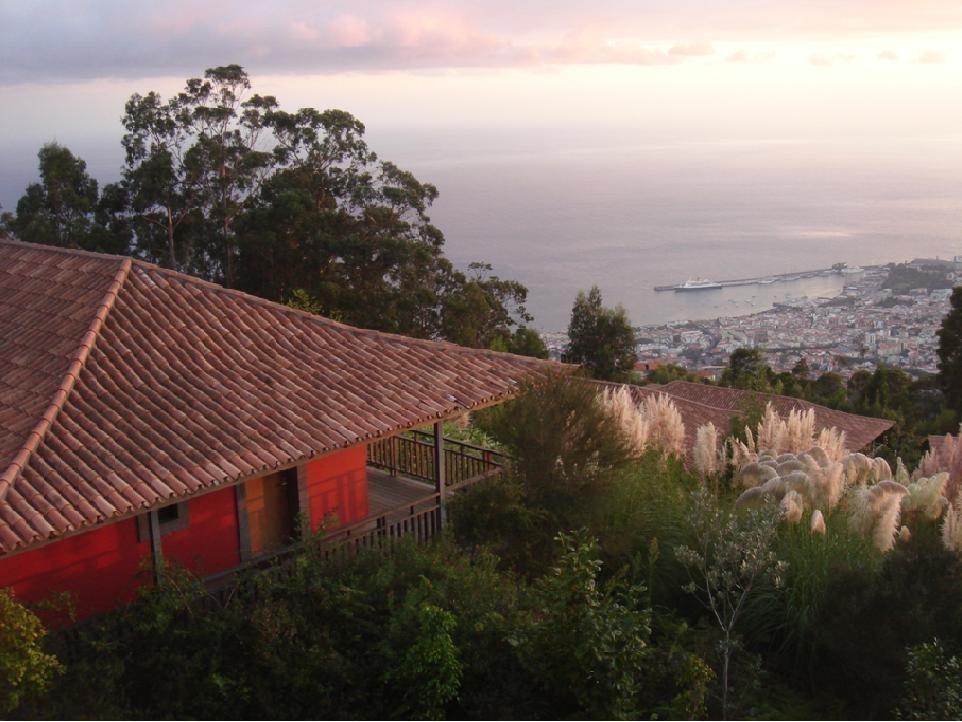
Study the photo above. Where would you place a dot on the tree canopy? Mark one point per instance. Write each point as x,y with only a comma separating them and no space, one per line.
220,182
950,352
601,339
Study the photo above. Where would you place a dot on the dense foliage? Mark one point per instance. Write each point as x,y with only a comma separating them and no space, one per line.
26,670
601,339
220,182
950,353
590,582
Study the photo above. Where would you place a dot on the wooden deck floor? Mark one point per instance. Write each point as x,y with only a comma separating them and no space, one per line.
386,492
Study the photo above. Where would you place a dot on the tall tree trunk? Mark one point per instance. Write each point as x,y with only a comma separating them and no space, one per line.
726,653
171,249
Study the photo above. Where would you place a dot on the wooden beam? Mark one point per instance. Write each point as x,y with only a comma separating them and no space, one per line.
156,549
439,480
243,524
303,501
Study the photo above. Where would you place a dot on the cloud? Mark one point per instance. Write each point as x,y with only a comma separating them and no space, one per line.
351,31
931,57
695,50
54,40
888,55
821,60
590,46
742,56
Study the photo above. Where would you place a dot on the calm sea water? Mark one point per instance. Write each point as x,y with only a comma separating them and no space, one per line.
561,211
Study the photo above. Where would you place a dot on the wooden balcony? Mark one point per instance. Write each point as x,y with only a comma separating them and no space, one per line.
404,499
412,454
403,492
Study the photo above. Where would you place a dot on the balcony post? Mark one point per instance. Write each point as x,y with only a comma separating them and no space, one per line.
303,502
156,550
243,527
439,480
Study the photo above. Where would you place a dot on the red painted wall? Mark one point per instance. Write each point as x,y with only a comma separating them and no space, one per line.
337,487
210,543
102,567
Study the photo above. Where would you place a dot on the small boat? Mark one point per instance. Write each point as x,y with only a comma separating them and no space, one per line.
698,284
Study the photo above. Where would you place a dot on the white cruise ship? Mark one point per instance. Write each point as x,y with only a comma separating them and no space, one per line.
698,284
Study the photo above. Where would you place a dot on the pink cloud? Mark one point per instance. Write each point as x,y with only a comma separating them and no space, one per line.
888,55
696,49
52,40
350,31
931,57
595,47
824,61
300,30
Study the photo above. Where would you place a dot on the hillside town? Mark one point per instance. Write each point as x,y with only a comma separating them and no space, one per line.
881,317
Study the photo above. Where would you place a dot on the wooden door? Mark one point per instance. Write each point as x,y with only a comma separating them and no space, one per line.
271,511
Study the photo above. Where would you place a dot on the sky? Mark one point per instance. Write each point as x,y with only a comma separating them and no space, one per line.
724,68
556,126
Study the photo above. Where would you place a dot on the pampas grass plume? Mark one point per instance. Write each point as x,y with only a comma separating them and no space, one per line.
818,523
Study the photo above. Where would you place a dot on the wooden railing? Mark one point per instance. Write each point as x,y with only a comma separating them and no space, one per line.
419,519
412,454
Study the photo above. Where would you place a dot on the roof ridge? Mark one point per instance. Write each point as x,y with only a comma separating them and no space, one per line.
661,389
65,251
325,320
275,305
87,343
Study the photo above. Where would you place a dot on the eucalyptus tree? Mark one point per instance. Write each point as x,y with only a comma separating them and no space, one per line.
59,210
353,233
293,206
191,164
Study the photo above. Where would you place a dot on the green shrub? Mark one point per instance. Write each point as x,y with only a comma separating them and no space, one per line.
933,685
25,668
868,618
586,644
568,449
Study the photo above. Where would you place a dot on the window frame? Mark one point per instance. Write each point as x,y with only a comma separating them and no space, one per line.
168,527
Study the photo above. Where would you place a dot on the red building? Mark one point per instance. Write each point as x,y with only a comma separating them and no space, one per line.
148,416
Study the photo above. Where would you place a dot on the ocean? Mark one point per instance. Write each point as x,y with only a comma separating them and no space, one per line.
563,210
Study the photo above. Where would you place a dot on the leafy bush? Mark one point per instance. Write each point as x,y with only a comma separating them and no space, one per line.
496,515
586,644
568,448
25,668
868,618
933,685
732,554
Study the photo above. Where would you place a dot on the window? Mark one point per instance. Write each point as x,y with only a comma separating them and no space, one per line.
171,518
167,515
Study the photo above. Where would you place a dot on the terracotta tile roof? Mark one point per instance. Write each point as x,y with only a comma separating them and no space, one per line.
700,404
860,431
124,386
693,413
937,444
